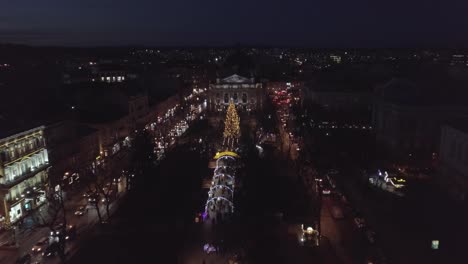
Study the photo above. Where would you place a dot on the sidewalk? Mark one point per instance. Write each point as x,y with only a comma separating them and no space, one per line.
25,225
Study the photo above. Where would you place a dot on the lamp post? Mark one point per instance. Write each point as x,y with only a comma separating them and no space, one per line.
319,195
15,235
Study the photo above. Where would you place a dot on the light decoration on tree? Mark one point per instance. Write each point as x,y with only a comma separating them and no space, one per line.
231,125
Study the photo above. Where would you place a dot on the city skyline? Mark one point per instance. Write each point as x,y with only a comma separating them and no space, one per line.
233,132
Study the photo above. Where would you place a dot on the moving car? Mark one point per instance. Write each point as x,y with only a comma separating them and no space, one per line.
93,198
40,245
70,233
336,212
51,250
360,222
88,194
370,236
309,236
57,229
80,211
326,190
117,180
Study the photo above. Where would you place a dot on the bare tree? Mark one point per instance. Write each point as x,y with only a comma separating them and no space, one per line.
90,180
55,219
107,189
100,183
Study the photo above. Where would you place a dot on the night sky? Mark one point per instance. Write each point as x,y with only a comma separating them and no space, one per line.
324,23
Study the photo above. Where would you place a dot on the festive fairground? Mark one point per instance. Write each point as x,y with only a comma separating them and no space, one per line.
220,202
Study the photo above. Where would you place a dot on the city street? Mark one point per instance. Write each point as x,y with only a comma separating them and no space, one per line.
84,224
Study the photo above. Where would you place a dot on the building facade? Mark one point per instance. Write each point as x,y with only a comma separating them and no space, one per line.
138,111
246,93
453,161
24,162
408,123
71,147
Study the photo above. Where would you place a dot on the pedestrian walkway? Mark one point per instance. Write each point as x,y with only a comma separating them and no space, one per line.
195,252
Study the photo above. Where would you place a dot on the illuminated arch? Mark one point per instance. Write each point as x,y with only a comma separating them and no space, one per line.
223,169
226,153
228,182
227,196
222,186
223,174
224,158
217,199
214,188
218,168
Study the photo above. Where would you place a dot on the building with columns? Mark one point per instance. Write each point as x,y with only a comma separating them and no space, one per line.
23,173
246,93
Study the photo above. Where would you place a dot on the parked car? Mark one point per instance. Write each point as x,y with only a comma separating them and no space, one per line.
40,245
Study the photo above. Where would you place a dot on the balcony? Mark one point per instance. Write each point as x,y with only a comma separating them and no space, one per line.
24,176
20,156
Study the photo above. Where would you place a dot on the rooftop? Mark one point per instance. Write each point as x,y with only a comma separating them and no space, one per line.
342,80
424,92
235,79
461,126
13,122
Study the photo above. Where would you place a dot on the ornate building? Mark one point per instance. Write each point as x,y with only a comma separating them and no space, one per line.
23,173
246,93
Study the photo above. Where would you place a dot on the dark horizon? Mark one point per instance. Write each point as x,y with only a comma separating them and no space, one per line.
234,45
342,24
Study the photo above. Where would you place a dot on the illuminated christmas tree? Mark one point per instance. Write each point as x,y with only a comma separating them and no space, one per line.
231,125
